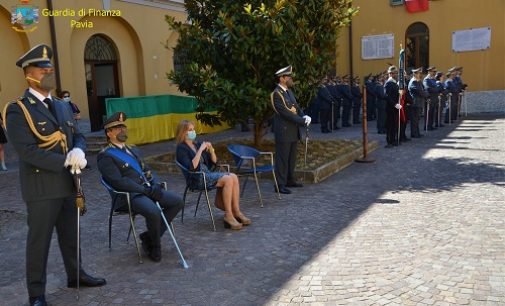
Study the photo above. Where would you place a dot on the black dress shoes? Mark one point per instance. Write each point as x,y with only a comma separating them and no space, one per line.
38,301
146,242
155,254
86,280
283,190
294,185
152,251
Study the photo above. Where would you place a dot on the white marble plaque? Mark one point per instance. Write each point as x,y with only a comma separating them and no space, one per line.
471,39
377,46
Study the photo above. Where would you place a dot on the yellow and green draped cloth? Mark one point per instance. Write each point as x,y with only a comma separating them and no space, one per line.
155,118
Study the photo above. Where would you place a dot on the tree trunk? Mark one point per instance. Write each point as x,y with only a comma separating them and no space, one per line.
259,132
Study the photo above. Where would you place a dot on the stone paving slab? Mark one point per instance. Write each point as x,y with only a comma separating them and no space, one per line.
423,225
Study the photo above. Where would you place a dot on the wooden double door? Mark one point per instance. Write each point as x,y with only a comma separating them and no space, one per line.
102,82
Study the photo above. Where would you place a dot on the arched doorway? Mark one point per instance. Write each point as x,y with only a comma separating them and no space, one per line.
100,62
417,38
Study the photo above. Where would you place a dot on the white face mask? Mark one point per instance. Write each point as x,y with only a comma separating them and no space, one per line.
66,99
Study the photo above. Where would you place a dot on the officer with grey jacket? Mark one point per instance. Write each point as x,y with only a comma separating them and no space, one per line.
430,86
416,91
50,146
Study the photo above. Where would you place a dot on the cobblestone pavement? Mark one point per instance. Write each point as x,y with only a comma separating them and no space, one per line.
423,225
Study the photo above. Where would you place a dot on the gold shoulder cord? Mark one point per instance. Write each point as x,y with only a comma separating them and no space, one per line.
292,109
49,141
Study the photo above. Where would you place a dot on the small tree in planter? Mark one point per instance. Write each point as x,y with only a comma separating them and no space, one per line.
232,49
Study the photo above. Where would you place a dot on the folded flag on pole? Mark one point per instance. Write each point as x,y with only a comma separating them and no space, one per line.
401,83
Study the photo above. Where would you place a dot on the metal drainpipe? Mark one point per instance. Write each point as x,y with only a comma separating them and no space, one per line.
55,47
351,70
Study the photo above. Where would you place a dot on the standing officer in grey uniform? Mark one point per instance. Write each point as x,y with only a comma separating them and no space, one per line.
326,102
44,133
380,103
451,87
370,97
288,118
344,90
392,94
356,100
430,85
440,78
418,94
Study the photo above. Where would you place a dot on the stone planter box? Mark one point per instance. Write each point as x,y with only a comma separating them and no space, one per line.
333,166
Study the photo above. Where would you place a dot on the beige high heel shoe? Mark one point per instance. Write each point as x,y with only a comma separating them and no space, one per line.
243,219
231,223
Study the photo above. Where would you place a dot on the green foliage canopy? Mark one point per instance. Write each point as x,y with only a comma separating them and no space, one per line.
232,49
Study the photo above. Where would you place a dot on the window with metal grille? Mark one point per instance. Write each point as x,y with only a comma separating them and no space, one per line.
99,48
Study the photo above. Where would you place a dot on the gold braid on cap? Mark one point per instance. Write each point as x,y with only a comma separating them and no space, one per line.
49,141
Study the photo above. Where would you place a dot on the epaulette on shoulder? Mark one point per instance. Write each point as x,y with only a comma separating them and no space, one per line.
21,98
109,145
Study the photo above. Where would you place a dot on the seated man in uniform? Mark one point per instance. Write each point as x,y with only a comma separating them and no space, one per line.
122,167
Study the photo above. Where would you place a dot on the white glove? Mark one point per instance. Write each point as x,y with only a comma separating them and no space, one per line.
307,120
76,160
398,106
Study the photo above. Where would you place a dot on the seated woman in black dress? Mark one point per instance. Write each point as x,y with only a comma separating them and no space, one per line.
197,156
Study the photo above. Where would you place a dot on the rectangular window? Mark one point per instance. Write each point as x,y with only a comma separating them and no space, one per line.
395,2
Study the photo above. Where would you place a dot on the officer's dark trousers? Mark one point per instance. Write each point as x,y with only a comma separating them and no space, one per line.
325,116
313,111
370,109
381,117
414,121
392,126
336,114
346,114
403,127
171,205
285,161
43,216
430,113
356,107
439,113
453,109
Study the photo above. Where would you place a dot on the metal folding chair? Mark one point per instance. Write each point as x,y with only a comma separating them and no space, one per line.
114,212
187,175
245,158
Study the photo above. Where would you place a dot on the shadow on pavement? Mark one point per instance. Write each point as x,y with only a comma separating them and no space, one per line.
246,267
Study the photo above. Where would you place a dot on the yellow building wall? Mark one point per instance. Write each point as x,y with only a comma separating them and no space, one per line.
483,70
139,35
143,61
